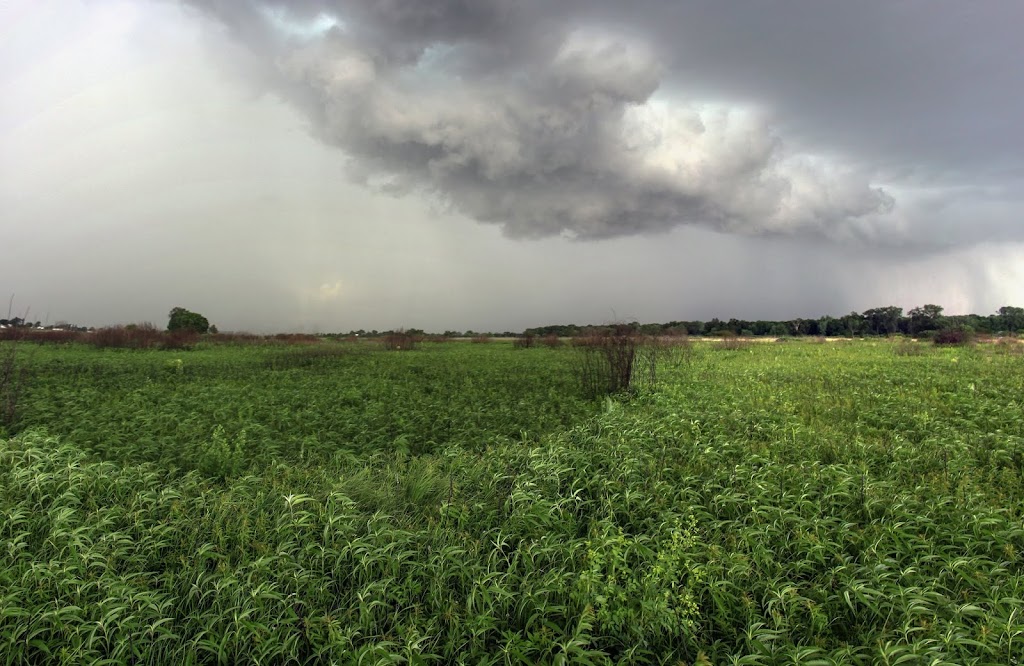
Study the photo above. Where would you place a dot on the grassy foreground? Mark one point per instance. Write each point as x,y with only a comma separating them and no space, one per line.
786,503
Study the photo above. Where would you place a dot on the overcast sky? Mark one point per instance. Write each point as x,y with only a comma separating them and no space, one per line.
326,165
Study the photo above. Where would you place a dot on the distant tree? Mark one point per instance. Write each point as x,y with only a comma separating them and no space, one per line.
1012,318
853,324
181,319
884,321
925,318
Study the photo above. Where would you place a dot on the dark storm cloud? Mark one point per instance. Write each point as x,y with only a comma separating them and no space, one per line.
853,121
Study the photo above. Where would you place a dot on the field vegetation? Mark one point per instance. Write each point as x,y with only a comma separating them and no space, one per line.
812,502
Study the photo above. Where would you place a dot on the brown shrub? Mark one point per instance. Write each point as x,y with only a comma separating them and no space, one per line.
551,341
612,360
235,338
182,339
679,340
399,341
730,342
524,342
480,339
144,335
40,337
109,337
956,337
296,338
12,333
132,336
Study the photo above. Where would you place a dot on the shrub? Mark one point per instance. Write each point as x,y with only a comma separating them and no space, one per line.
296,338
143,336
954,337
109,337
52,337
481,339
611,360
235,338
551,341
525,342
729,342
132,336
179,340
399,341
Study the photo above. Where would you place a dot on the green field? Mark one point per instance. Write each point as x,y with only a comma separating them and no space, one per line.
805,502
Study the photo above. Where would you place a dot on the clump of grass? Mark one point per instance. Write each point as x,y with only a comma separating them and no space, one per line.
907,347
731,342
1011,346
14,378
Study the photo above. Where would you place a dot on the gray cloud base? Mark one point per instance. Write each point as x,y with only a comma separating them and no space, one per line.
544,122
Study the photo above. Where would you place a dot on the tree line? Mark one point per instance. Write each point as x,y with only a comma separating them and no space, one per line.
888,320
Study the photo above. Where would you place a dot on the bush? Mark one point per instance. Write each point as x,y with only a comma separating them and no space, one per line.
611,361
132,336
954,337
144,335
179,340
399,341
481,339
730,342
551,341
525,342
109,337
235,338
52,337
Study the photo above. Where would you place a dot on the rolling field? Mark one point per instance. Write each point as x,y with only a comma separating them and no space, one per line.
809,503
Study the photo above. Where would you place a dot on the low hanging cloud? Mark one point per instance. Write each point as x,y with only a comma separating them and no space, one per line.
542,121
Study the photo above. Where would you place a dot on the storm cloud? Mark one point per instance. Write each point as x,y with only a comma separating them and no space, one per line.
544,121
326,165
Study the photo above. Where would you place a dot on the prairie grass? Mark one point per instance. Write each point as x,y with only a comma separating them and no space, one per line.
802,503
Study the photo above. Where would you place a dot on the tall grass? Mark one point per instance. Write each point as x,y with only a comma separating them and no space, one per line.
803,503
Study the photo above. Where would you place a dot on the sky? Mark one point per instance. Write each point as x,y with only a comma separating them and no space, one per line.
330,165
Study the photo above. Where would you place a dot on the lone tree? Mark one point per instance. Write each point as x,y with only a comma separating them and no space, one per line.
185,320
